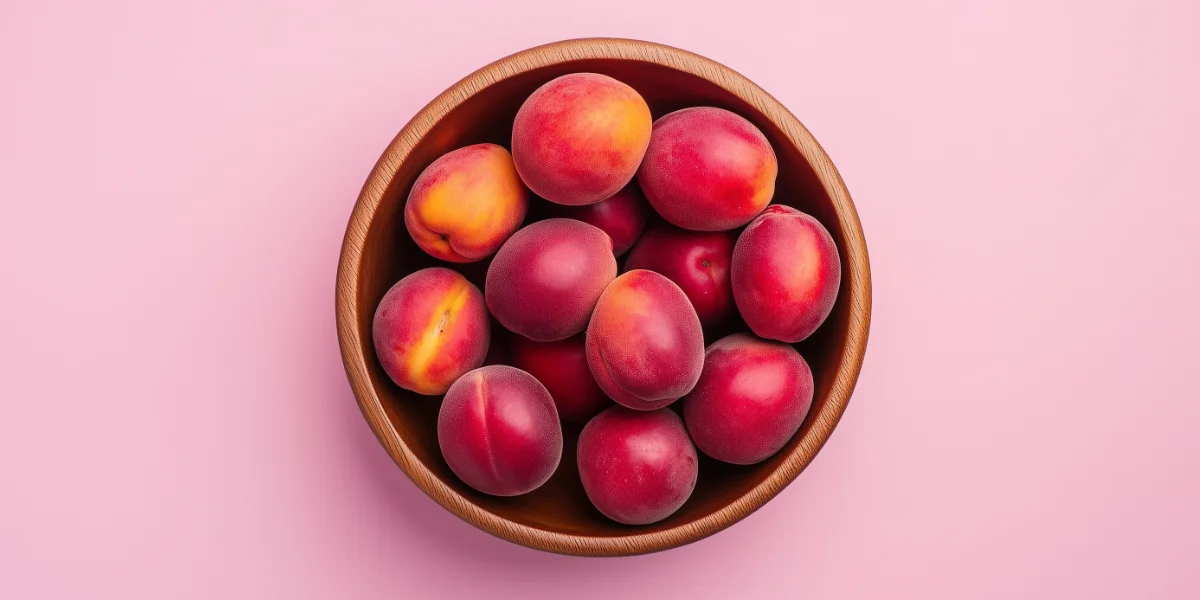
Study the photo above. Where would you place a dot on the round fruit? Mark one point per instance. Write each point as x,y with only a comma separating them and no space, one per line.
562,367
579,138
750,400
644,343
785,273
637,467
466,203
696,261
545,280
499,431
708,169
429,329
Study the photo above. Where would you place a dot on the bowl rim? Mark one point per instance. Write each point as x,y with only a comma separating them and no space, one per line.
354,354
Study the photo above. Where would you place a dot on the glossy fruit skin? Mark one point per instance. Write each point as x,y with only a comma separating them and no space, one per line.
708,169
785,273
697,261
622,216
499,431
751,399
562,367
546,279
429,329
637,467
644,343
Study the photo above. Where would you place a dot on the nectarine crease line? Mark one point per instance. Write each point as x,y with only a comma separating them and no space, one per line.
484,425
427,347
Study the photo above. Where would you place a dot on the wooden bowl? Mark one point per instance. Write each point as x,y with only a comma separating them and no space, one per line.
378,251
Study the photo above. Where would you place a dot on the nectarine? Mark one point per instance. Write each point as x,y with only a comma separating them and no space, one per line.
750,400
644,342
563,368
466,203
696,261
785,274
708,169
579,138
499,432
637,467
545,280
429,329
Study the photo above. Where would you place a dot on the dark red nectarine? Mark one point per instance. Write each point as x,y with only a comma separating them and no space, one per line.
750,400
644,343
785,273
563,368
637,467
545,280
499,432
708,169
622,216
696,261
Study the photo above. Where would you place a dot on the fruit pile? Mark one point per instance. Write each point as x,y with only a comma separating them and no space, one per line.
587,344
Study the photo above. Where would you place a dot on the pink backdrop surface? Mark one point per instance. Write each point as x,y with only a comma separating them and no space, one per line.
175,178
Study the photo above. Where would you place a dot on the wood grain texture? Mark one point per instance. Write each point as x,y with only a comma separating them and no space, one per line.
377,252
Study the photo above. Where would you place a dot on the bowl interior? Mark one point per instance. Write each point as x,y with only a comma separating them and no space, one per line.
389,254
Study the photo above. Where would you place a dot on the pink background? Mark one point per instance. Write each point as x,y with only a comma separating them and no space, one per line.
175,181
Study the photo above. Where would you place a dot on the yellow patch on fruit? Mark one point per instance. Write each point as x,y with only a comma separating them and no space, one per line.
765,188
628,302
626,123
422,354
634,127
472,204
